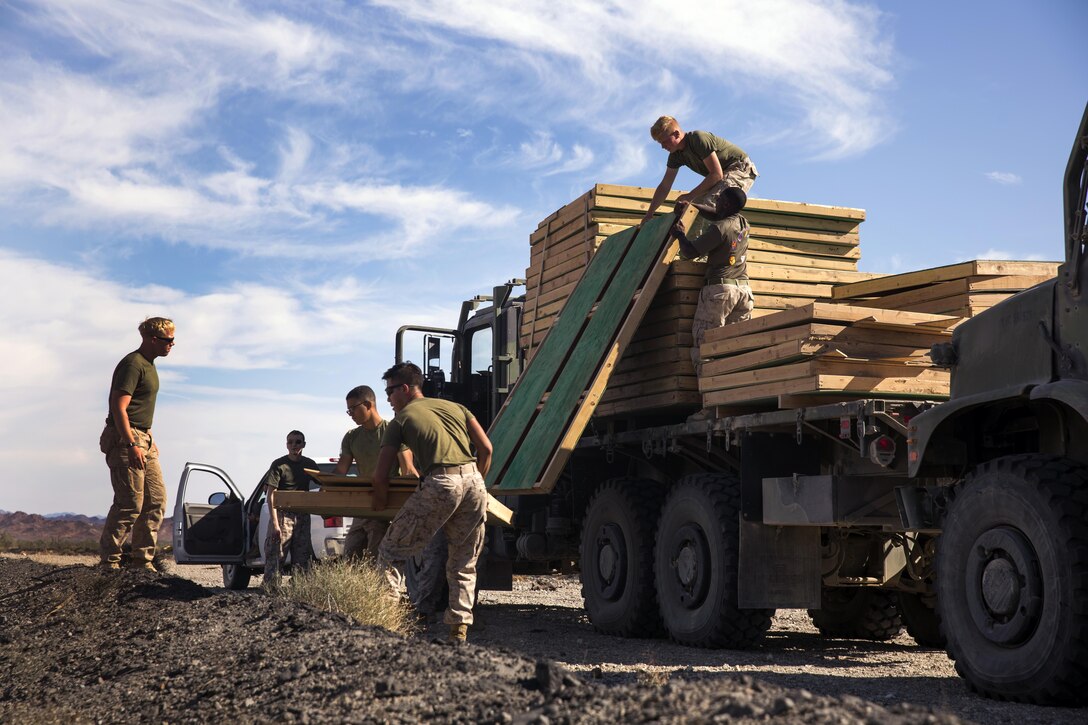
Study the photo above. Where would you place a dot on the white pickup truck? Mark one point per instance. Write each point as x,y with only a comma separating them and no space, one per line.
214,524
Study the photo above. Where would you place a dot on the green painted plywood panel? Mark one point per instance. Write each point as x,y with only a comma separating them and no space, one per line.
547,429
509,428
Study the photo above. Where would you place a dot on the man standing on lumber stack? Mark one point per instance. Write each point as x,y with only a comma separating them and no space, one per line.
720,163
451,495
721,233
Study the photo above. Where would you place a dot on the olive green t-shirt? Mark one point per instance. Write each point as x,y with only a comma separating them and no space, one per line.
435,430
364,446
700,144
287,475
135,375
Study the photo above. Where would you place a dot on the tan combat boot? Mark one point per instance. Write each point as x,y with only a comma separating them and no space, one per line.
458,633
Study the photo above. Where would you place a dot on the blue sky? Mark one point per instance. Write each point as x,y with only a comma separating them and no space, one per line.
291,185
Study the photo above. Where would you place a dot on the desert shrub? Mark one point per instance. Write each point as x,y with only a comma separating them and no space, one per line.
356,589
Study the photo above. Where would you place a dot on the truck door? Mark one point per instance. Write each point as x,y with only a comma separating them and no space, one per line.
210,525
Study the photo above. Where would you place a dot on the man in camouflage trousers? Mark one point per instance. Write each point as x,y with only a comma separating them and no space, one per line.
726,296
139,493
451,496
287,531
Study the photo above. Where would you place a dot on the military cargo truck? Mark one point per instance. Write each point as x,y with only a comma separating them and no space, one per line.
965,521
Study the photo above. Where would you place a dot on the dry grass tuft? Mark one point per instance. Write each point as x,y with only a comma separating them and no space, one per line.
356,589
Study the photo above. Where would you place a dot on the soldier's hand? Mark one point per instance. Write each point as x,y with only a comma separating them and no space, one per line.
379,500
136,457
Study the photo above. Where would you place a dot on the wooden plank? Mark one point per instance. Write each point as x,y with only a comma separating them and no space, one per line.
640,345
861,386
783,273
790,289
801,260
784,207
829,312
785,235
759,243
951,305
356,502
794,350
685,400
978,267
650,387
654,372
818,332
820,366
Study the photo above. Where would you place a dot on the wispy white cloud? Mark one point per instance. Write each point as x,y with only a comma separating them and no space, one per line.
826,59
1005,178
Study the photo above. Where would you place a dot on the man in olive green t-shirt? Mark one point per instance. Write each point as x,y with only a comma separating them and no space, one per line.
139,493
718,161
451,496
361,446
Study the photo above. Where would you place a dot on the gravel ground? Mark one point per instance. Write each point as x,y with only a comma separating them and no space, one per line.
79,645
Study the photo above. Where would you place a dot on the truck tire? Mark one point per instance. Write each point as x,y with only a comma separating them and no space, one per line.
236,576
1012,579
919,615
695,566
617,558
857,613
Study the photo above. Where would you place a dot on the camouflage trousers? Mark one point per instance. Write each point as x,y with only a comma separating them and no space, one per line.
719,305
364,537
454,500
293,538
739,174
139,498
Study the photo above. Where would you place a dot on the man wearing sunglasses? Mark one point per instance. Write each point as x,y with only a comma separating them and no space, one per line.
451,495
139,494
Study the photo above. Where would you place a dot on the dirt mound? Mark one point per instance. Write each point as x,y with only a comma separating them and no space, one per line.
78,644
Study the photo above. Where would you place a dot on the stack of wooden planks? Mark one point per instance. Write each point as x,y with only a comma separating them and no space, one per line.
797,254
821,353
963,289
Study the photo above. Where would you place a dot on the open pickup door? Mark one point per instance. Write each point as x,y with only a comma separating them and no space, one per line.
210,522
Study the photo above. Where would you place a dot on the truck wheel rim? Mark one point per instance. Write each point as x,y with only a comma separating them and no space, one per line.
1004,588
691,565
611,561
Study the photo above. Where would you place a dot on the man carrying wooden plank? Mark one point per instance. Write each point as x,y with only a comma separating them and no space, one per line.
720,163
726,296
361,445
451,496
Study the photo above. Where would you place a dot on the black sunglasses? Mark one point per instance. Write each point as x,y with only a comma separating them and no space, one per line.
389,390
167,340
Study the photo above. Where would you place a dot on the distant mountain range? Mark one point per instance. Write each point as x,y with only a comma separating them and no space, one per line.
69,528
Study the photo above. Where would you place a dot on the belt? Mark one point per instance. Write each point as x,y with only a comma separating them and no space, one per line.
742,282
464,468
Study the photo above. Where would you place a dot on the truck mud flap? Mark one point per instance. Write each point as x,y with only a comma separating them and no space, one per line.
779,567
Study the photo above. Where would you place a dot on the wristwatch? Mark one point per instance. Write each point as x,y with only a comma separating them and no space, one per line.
133,444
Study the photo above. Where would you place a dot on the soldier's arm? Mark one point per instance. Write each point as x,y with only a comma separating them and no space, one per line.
714,174
661,192
119,402
407,463
483,445
386,458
